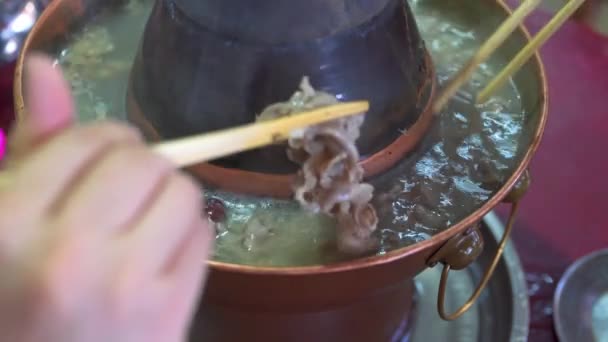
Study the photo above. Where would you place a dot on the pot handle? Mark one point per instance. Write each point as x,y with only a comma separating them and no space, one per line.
462,250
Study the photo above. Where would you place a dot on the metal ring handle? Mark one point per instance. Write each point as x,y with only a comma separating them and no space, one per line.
482,285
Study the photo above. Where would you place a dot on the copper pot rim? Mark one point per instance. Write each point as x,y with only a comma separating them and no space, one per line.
359,263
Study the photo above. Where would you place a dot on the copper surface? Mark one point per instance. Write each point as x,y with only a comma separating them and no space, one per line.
313,289
379,316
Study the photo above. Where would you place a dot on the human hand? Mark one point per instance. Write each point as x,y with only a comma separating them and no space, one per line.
100,239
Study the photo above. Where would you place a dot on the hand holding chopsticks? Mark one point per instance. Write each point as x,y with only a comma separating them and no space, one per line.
192,150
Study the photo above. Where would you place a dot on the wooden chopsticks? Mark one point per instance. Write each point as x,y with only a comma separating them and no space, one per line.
496,40
485,51
530,49
199,148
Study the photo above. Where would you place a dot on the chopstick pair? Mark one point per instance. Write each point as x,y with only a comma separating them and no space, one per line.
496,40
530,49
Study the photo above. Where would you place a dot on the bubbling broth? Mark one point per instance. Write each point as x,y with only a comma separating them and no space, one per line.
465,158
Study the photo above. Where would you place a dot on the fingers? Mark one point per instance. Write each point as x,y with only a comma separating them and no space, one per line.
49,105
167,250
172,219
38,184
183,282
188,267
179,288
121,186
68,186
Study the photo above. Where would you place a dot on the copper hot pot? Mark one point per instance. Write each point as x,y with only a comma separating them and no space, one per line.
256,53
367,299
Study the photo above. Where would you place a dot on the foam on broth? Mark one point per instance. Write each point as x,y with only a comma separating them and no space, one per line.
468,155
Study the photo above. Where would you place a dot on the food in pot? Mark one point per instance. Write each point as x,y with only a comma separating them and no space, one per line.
330,178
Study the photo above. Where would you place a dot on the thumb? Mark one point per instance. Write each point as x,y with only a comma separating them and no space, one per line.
48,105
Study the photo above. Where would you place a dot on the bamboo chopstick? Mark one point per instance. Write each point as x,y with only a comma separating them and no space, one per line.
199,148
529,50
484,52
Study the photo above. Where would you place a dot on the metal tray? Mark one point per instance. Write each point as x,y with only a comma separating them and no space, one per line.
501,313
581,300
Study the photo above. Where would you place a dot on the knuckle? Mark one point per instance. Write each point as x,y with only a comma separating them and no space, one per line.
49,288
46,292
102,133
141,157
118,128
9,202
13,201
189,190
120,297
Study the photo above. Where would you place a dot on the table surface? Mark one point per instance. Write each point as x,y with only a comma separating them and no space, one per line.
562,217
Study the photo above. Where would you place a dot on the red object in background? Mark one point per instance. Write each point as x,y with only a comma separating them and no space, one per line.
6,96
564,215
2,143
